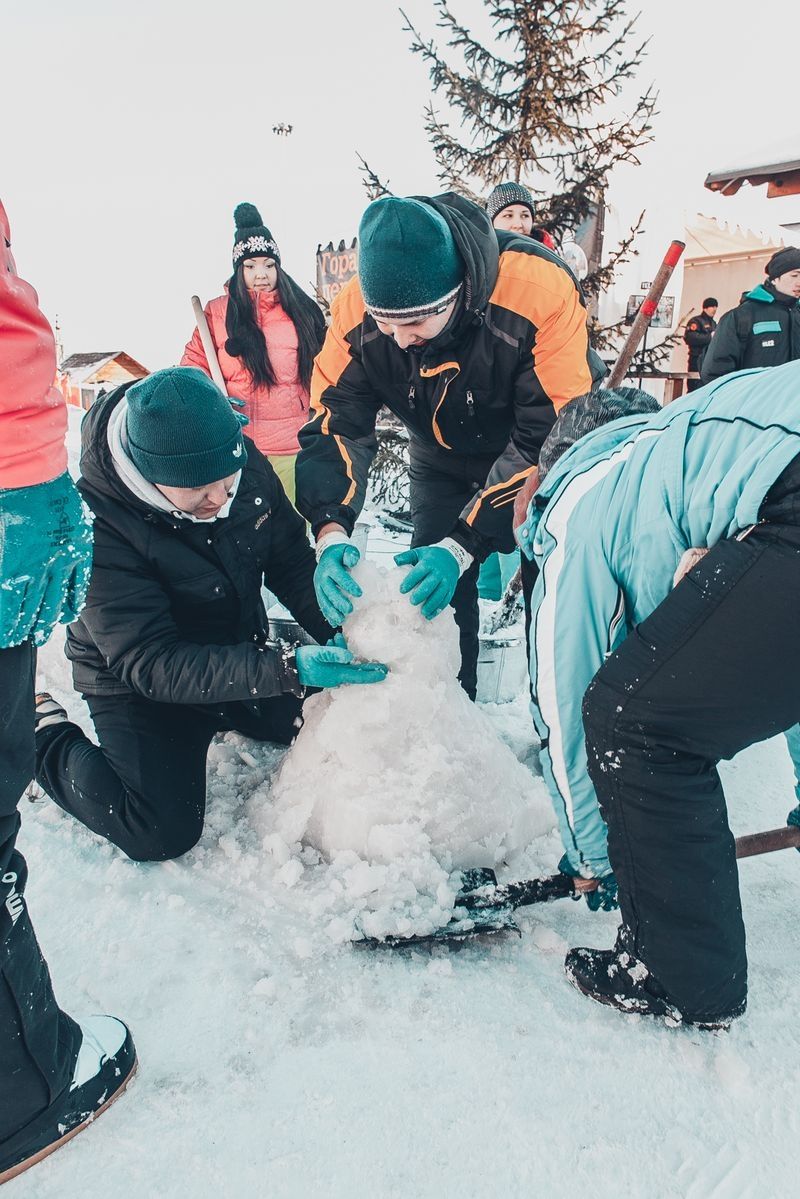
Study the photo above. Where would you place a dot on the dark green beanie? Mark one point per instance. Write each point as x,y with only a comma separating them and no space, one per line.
408,264
181,429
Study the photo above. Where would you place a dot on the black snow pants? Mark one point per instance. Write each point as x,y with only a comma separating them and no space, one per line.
38,1042
144,786
714,669
441,486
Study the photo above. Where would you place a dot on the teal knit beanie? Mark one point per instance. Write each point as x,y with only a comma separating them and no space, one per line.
408,264
181,429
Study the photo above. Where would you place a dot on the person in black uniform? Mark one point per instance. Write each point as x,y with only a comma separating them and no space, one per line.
697,336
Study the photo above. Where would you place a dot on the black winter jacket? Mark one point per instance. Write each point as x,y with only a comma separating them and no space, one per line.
515,351
697,336
763,331
174,611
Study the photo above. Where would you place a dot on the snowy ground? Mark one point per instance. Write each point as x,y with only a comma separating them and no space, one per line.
277,1062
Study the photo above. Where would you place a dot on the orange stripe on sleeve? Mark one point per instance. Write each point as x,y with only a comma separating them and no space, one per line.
523,474
331,362
543,293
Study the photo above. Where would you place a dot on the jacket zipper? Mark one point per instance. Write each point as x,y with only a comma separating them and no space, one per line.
412,391
470,405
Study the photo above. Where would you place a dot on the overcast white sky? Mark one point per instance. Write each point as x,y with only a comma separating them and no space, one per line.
129,133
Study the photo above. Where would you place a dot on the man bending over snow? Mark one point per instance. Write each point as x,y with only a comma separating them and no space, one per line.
172,646
694,657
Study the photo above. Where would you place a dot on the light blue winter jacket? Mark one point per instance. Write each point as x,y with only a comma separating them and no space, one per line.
608,527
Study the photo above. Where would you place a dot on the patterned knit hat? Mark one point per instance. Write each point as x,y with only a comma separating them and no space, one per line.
252,238
408,264
785,260
181,429
581,416
504,195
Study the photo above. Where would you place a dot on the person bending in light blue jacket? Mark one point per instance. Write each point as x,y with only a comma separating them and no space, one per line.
619,527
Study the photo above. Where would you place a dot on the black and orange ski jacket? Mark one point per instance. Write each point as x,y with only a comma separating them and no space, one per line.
515,351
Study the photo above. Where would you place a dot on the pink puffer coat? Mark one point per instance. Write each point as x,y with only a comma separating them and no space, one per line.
276,413
33,415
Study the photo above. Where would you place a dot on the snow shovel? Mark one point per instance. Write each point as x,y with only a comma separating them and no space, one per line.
484,906
208,344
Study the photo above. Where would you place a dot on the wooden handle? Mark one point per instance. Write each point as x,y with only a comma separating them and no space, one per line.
208,344
645,313
768,842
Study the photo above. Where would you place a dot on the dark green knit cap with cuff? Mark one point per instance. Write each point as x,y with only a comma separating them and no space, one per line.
408,264
181,429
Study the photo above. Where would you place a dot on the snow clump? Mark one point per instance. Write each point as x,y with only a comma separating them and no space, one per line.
402,784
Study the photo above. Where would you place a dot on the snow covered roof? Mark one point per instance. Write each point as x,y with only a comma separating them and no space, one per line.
79,366
707,237
777,165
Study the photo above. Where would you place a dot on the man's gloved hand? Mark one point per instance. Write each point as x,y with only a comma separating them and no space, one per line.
603,897
332,665
794,819
435,571
333,582
45,559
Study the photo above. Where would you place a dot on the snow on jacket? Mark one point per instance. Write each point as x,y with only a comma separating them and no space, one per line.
516,350
278,412
174,611
763,331
33,415
608,527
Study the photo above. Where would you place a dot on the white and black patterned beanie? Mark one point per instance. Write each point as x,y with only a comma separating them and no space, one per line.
506,194
252,238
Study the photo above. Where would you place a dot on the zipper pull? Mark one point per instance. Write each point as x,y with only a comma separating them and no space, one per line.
412,391
470,404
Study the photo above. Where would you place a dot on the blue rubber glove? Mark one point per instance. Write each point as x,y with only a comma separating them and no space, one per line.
604,898
332,665
794,818
333,582
432,579
45,559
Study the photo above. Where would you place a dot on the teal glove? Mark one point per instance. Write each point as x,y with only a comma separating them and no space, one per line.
432,579
45,559
332,665
604,897
240,416
794,818
333,582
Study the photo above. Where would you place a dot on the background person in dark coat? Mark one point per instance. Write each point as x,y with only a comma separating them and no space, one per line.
765,328
171,648
697,335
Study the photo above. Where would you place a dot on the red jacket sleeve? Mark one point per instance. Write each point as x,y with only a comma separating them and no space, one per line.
33,414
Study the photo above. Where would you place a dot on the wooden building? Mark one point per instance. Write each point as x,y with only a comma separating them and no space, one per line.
81,378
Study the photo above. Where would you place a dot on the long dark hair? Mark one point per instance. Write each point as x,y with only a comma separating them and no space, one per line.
246,339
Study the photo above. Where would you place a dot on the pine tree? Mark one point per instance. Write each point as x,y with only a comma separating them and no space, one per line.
536,107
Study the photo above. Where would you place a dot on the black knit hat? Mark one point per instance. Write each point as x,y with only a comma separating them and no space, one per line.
252,238
785,260
589,412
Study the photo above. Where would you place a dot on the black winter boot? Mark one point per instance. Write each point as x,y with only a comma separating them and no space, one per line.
105,1065
618,979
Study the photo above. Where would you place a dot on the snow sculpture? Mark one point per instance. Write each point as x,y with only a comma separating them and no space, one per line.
406,781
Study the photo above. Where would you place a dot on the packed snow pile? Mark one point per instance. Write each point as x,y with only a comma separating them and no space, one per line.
402,784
